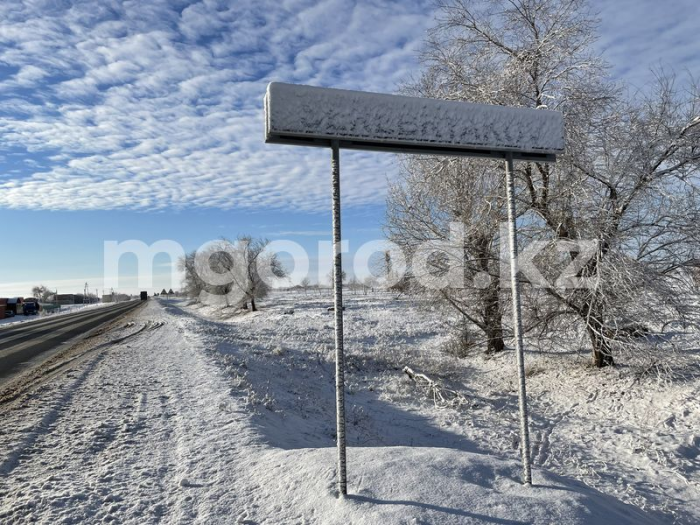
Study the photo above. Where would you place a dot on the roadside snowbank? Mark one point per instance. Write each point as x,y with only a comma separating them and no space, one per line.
425,485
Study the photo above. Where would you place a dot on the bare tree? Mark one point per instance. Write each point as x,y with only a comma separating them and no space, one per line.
42,292
343,277
254,269
192,283
635,174
305,284
354,284
234,274
369,283
522,53
431,197
628,180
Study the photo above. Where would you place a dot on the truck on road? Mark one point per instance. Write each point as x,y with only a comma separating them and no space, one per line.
144,296
30,307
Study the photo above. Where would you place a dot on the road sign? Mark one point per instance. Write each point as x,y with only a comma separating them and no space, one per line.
336,118
314,116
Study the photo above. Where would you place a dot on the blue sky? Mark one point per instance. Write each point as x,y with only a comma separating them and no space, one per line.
143,120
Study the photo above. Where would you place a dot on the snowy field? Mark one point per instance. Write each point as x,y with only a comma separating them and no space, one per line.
196,414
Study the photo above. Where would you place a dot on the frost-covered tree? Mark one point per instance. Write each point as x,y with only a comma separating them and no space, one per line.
354,284
234,274
305,284
518,53
192,283
370,283
424,205
254,269
343,277
628,180
42,292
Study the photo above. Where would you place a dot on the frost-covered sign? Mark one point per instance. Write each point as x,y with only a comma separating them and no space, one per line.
337,118
314,116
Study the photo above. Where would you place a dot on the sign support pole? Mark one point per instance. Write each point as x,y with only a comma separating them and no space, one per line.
517,322
298,115
338,311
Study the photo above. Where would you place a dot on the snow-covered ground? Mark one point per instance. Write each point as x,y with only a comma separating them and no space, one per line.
198,415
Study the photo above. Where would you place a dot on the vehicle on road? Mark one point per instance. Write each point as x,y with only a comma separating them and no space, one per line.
144,296
30,308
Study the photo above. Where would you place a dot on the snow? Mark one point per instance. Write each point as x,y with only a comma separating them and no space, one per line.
307,111
206,415
430,485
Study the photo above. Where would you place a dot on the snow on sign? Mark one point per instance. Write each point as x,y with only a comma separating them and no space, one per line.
336,118
315,116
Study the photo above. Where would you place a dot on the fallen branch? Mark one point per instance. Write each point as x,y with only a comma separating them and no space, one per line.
442,397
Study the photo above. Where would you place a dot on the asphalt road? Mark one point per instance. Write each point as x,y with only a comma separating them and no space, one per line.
24,344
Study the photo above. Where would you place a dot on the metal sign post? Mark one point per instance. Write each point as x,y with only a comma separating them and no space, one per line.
323,117
517,321
338,311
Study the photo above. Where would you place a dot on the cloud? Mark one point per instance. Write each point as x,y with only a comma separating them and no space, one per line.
145,106
158,105
639,35
302,233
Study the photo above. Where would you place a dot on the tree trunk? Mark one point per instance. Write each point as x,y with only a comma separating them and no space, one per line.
592,315
495,340
602,352
493,318
490,300
253,308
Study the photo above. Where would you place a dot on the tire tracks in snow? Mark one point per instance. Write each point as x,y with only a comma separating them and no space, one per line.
90,425
49,419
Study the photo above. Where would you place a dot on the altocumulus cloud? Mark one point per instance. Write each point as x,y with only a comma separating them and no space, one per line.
158,103
133,104
637,35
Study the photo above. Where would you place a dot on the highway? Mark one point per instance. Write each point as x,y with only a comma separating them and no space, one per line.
24,344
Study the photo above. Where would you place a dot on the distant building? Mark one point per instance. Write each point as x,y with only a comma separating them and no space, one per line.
115,298
71,298
67,298
14,304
